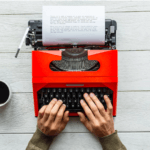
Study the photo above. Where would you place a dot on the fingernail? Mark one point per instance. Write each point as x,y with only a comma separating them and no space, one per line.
91,94
60,100
81,101
105,96
55,99
64,104
85,94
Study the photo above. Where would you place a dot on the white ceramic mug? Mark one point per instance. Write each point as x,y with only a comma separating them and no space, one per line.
5,93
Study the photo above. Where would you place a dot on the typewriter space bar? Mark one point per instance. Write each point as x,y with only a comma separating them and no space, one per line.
75,110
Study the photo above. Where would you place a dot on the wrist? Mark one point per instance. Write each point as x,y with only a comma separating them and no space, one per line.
110,133
104,133
43,134
107,134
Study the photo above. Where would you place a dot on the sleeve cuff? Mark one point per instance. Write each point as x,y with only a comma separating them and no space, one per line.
112,141
40,141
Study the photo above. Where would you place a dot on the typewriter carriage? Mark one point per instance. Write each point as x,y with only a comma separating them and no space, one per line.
34,37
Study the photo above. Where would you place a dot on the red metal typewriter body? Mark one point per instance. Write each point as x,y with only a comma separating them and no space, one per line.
105,76
76,69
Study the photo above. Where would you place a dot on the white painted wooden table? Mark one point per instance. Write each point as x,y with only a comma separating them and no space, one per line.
17,121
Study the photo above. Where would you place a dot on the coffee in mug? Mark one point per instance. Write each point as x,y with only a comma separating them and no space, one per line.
5,93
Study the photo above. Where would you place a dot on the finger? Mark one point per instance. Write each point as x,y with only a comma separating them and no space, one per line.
60,114
85,121
55,110
41,112
98,104
49,108
87,110
66,117
109,105
92,105
65,120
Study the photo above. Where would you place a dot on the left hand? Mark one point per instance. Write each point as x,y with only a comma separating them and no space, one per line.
53,118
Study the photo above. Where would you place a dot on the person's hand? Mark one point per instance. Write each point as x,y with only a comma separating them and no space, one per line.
99,122
52,118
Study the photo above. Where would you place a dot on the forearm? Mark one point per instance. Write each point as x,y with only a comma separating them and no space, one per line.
112,142
39,141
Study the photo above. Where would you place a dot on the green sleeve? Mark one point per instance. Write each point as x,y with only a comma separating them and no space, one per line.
40,141
112,142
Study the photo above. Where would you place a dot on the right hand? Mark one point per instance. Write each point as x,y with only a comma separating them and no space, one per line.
52,118
99,122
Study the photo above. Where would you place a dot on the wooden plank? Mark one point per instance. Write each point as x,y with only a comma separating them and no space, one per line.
74,141
24,7
131,31
133,71
132,114
133,107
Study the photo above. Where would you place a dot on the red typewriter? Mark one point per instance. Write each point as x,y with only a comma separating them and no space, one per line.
67,72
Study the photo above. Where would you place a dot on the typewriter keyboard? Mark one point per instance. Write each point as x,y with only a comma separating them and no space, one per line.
72,96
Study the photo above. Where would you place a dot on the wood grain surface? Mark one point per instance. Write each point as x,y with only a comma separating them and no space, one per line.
17,121
132,30
132,114
74,141
133,71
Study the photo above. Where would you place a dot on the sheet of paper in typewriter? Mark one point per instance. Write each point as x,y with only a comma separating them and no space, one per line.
73,25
